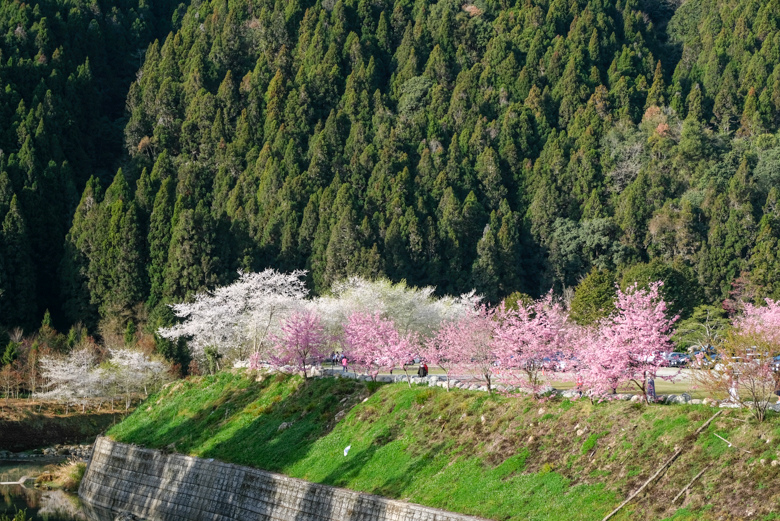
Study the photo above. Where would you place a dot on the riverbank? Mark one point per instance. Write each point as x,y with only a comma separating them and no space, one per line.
26,425
39,502
493,456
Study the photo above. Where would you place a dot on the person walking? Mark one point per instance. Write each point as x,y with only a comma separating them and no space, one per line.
344,363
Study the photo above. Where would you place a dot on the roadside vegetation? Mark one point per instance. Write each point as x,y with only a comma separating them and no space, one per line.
21,515
494,456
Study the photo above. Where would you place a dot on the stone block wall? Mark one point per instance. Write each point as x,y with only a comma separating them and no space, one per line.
126,482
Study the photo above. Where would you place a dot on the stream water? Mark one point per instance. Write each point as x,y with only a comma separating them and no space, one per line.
40,505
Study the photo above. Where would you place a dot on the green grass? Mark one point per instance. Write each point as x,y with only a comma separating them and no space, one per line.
497,457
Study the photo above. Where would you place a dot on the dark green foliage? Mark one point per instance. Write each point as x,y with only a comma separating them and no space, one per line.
17,302
594,297
514,300
10,354
680,289
65,68
498,146
130,332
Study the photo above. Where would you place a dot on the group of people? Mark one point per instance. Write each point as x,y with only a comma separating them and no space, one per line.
341,358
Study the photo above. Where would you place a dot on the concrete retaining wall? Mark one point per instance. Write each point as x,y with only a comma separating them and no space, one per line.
124,481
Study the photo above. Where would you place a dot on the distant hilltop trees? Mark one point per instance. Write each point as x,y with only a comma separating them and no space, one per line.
497,146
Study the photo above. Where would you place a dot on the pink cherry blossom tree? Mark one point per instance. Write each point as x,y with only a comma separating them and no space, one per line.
763,321
374,344
744,370
598,374
436,351
302,342
467,346
529,340
629,345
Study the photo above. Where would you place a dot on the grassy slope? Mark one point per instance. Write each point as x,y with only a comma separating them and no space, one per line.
496,457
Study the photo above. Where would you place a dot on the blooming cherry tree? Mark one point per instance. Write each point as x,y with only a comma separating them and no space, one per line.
374,343
411,309
526,338
79,378
763,321
629,345
133,372
70,379
302,341
467,345
239,319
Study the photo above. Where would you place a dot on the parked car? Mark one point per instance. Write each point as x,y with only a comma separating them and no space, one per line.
559,362
678,359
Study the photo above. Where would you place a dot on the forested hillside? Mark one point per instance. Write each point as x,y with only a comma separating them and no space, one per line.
65,67
489,144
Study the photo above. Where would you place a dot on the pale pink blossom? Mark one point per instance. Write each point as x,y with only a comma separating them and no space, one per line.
530,341
627,347
302,342
374,344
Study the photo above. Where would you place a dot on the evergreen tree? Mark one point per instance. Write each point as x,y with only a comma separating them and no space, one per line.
192,265
159,239
765,255
17,303
10,354
594,297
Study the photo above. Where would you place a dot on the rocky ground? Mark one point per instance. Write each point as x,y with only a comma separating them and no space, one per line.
74,452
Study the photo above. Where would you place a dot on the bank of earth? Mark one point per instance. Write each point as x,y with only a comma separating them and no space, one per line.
27,425
498,457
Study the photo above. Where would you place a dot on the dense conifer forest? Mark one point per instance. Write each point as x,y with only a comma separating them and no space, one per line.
503,146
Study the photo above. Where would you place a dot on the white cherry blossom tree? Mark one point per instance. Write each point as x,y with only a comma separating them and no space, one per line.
239,319
412,309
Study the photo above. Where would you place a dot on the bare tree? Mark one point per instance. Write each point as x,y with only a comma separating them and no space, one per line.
742,374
